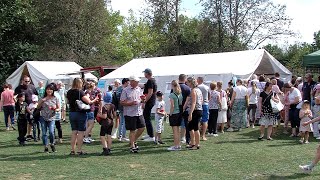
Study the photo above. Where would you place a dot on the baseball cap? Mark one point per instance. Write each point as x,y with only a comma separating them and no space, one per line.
34,98
148,70
134,78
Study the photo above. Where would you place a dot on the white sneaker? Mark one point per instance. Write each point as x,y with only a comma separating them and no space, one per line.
215,135
91,140
173,148
183,140
318,138
114,136
150,139
210,134
306,168
307,142
145,136
253,126
125,139
8,129
86,140
230,129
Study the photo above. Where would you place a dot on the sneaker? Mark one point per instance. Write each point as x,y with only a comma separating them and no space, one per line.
14,128
318,138
150,139
222,132
301,141
53,148
60,141
161,142
307,142
210,134
46,150
106,152
86,140
174,148
7,128
183,140
136,146
125,139
306,168
230,129
215,135
134,150
253,126
145,136
91,140
114,136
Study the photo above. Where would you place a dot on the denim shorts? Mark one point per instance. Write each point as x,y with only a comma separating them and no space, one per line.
78,121
205,113
90,116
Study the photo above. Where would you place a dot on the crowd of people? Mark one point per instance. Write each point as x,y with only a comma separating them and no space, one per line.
197,110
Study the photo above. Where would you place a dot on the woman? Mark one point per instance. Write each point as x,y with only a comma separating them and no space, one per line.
92,92
222,114
268,118
175,114
7,103
294,98
49,105
194,109
253,93
214,106
77,117
239,106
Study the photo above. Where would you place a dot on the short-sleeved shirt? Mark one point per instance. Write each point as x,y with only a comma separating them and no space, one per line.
21,110
266,105
28,90
73,95
161,106
241,92
253,97
40,91
261,86
47,113
205,91
92,95
214,99
306,89
7,97
151,84
185,91
295,93
177,101
132,94
109,109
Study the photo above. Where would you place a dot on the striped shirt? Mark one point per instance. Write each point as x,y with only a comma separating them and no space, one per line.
130,94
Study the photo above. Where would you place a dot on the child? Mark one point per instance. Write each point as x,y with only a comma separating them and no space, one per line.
305,115
35,121
21,115
106,115
160,114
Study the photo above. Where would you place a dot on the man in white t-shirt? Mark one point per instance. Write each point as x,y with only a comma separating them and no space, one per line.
205,106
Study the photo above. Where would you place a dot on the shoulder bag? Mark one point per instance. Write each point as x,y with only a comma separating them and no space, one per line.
81,105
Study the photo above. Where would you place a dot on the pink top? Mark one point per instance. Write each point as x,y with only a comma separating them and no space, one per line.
7,97
276,89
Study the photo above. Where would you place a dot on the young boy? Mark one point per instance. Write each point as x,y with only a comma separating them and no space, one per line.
106,116
160,114
35,121
21,116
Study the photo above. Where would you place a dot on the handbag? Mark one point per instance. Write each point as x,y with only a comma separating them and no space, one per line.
224,104
276,107
81,105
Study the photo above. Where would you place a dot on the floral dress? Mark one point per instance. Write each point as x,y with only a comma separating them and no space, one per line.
268,118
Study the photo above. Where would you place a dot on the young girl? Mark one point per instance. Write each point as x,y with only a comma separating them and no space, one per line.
160,114
106,115
35,121
305,115
21,115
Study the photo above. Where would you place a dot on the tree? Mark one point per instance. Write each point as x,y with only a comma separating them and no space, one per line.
17,23
316,37
249,21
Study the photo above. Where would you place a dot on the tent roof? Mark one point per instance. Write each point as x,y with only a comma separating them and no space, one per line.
312,59
239,63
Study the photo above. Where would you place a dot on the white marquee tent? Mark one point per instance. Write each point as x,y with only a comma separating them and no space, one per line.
47,71
217,66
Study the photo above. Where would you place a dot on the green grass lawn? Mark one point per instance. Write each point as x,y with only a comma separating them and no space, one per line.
237,155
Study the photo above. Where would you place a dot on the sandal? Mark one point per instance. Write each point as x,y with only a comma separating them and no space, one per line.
72,153
260,138
190,146
81,153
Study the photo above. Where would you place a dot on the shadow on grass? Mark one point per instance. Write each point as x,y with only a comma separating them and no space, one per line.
293,176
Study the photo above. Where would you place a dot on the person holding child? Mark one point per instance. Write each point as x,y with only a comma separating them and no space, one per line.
159,117
305,115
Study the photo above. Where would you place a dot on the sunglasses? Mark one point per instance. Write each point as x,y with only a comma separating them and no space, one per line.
27,81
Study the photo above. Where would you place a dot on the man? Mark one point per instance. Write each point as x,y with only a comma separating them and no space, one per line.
307,88
119,108
150,88
115,128
28,89
280,83
185,91
205,106
131,99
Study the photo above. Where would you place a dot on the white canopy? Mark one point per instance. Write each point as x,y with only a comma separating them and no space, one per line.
47,71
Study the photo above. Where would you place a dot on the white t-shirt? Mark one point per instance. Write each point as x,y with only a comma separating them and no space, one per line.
295,93
205,91
160,105
240,91
253,97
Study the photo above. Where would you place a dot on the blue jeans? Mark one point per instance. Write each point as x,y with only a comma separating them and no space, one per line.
8,112
45,125
122,125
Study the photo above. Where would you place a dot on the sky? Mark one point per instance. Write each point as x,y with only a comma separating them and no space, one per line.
304,13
